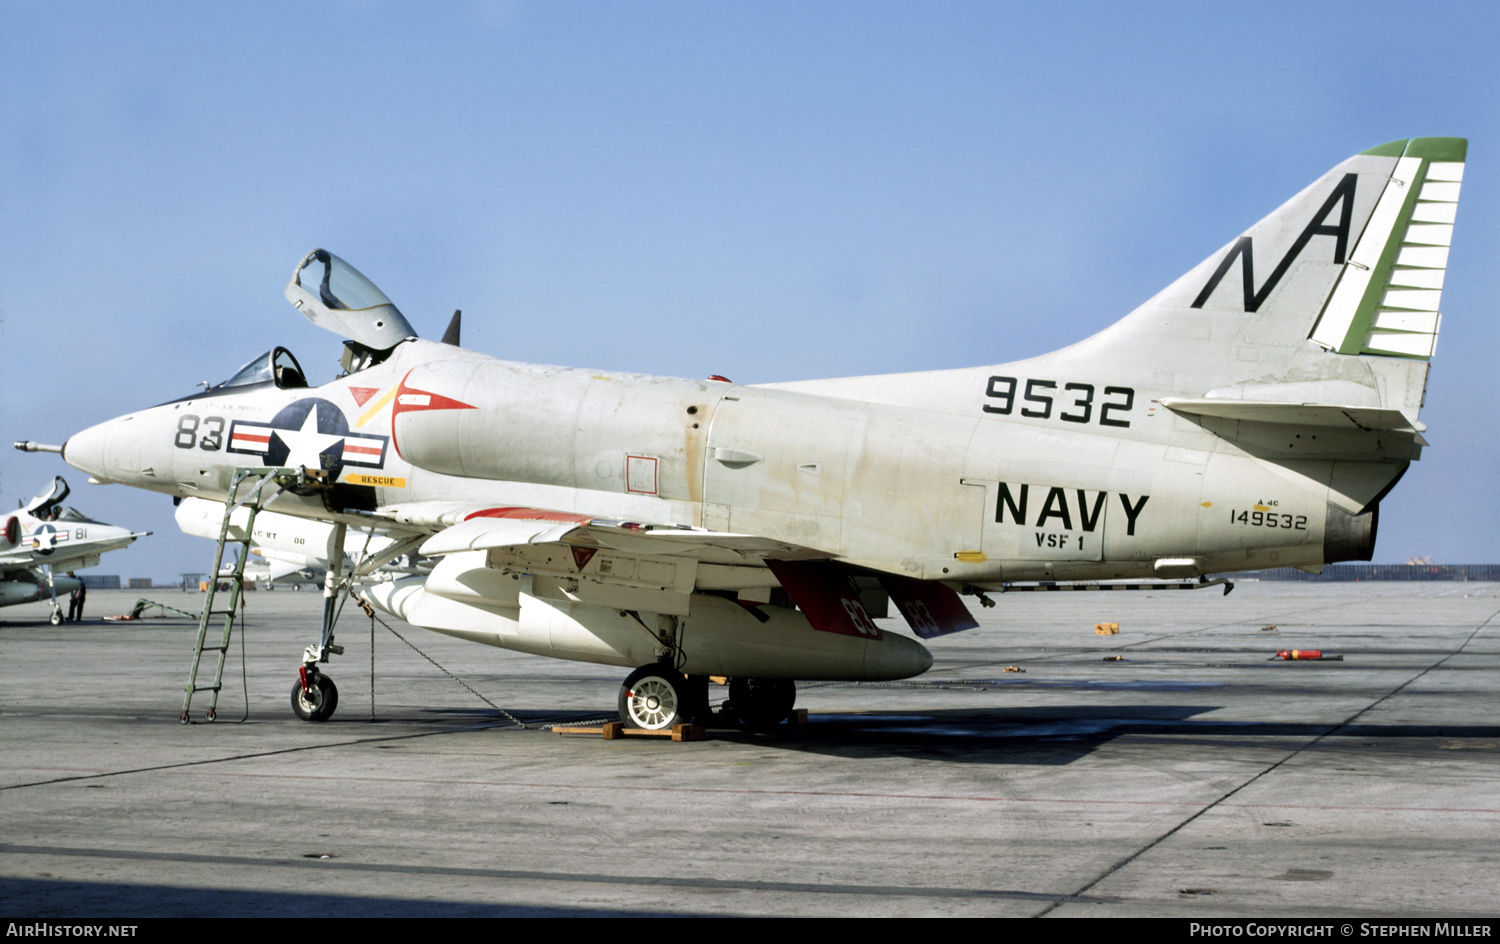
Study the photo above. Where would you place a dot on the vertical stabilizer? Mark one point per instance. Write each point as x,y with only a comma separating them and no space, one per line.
1331,299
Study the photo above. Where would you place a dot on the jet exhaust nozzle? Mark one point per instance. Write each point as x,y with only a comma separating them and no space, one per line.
1349,537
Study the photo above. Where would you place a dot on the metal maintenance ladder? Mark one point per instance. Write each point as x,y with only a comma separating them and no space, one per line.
267,483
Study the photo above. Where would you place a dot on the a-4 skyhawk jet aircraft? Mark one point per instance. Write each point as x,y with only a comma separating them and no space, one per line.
1253,414
44,539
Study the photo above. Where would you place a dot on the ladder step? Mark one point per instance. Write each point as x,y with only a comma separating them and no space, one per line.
204,688
213,648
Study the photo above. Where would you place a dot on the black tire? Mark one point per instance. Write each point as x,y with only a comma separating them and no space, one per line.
761,703
695,708
56,618
654,697
318,703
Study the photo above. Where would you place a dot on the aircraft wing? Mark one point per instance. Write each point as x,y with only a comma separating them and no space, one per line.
457,527
624,536
31,554
88,556
657,567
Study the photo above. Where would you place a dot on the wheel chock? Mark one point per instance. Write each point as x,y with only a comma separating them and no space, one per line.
614,730
1106,629
1014,668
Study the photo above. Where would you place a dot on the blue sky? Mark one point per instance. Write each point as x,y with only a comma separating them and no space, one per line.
766,191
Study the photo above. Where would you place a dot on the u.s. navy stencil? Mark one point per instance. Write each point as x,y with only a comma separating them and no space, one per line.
691,528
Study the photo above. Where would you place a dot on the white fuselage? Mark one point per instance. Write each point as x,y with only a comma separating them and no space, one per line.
974,497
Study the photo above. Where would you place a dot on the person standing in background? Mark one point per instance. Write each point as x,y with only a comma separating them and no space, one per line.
75,602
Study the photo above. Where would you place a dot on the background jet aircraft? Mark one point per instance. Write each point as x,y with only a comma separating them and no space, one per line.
43,540
1252,414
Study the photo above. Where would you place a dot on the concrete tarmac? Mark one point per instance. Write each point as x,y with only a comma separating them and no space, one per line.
1191,777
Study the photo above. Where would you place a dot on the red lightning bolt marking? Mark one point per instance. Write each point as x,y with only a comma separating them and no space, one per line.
412,400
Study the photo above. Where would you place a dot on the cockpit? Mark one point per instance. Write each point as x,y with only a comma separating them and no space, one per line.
332,294
276,366
48,504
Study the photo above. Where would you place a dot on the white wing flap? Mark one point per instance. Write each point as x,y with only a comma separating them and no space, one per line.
459,527
479,534
710,546
622,565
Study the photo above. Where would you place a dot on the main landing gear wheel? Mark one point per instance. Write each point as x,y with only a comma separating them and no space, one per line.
56,617
761,703
318,701
654,697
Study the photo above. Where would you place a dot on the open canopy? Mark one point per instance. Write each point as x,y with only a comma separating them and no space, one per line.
333,294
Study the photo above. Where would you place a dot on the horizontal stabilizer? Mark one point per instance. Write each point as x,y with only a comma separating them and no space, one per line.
1296,414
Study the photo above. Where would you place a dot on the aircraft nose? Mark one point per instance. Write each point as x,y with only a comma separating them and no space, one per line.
85,451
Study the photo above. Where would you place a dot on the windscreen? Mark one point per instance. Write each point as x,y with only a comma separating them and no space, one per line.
277,364
257,371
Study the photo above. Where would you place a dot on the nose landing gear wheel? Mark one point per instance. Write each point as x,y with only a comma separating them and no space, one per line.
653,697
318,702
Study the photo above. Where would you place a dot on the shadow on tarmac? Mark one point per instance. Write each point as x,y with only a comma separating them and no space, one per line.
30,901
1048,736
1063,734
